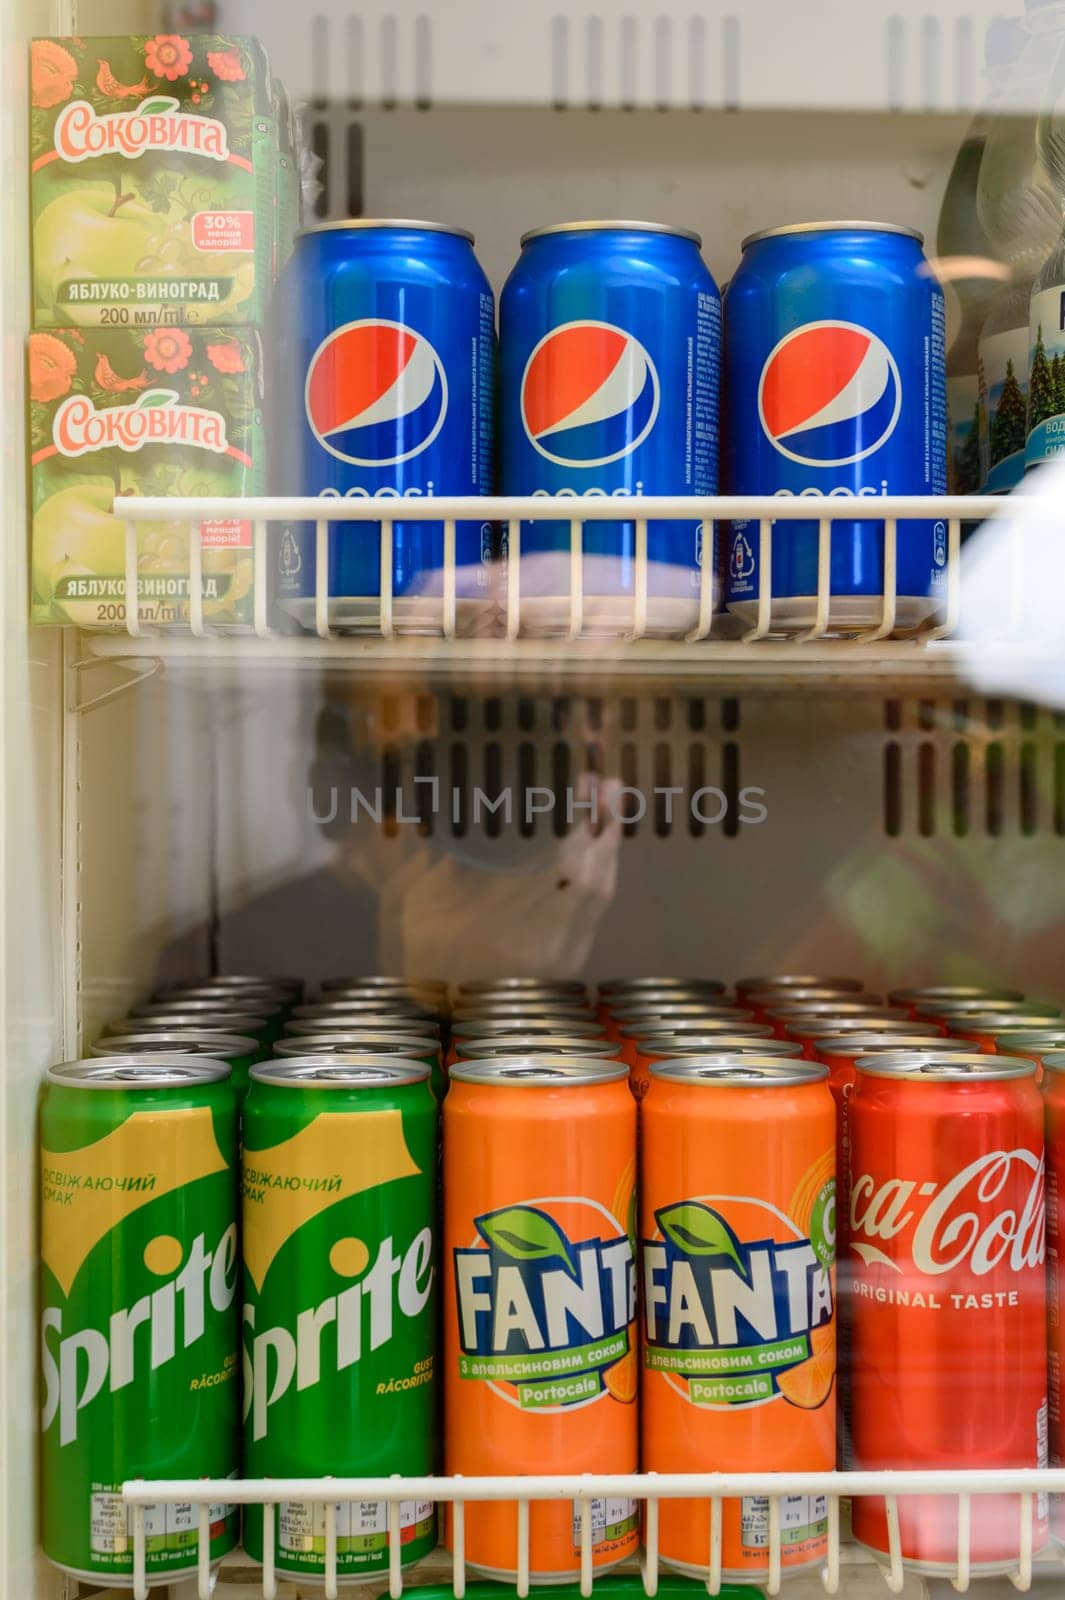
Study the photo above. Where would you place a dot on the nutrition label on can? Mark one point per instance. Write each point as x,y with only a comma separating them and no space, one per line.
802,1517
362,1528
703,386
611,1519
168,1529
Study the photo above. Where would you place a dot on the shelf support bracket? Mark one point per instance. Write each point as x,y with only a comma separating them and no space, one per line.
134,670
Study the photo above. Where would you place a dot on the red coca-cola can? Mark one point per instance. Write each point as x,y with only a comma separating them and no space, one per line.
913,1000
947,1288
840,1053
1054,1101
881,1020
793,1015
985,1029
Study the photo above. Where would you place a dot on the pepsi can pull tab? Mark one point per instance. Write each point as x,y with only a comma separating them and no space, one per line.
610,339
386,372
835,372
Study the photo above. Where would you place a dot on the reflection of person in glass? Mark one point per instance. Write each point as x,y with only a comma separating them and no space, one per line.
424,873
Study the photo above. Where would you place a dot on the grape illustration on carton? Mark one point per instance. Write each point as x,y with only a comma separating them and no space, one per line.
115,412
154,163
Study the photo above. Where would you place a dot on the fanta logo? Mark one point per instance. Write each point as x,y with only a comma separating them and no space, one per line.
735,1321
830,394
77,1368
156,124
589,394
962,1223
376,393
542,1314
335,1334
157,418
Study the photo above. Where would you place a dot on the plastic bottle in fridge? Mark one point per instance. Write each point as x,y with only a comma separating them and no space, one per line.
1019,205
969,265
1046,363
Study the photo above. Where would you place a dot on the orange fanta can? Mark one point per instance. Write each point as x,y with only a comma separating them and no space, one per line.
738,1238
746,1037
540,1365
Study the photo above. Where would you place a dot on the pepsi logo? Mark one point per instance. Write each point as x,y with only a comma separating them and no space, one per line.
376,393
589,394
830,394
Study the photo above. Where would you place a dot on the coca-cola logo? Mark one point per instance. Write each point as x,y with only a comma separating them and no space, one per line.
990,1214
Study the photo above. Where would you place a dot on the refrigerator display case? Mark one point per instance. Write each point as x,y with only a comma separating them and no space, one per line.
181,801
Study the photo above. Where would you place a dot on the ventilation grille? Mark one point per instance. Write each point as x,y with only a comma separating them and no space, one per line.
973,768
617,55
532,768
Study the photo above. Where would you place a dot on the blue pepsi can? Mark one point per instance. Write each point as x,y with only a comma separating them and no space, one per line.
610,341
835,384
386,372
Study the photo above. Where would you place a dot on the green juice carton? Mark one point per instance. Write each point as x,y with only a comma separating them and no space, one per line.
123,411
154,169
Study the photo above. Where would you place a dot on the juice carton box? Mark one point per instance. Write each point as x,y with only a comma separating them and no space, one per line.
123,411
154,164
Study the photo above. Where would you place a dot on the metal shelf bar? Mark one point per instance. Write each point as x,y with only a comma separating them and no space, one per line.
554,508
385,615
581,1490
619,1485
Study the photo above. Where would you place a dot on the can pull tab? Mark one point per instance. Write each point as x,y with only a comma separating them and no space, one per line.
538,1071
731,1072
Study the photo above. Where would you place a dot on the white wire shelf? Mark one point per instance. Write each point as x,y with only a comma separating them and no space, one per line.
508,645
581,1490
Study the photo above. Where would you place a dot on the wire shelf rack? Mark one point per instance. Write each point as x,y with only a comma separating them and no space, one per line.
768,513
966,1487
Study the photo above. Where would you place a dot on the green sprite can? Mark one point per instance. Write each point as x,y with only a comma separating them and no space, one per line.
238,1050
379,1021
138,1295
235,983
337,1008
202,1019
232,1010
269,1001
367,1041
340,1298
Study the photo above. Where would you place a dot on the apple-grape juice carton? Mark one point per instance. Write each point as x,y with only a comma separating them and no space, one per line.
161,411
153,180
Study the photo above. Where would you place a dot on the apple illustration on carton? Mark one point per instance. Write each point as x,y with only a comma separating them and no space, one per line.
154,164
115,412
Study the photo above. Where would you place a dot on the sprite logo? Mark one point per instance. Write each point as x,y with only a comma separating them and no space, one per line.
156,124
335,1334
730,1319
156,418
143,1336
545,1316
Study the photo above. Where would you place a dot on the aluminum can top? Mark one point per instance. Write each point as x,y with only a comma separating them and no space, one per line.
612,225
939,1066
831,227
805,980
392,224
539,1071
949,992
728,1069
177,1041
881,1041
712,1044
173,1071
340,1072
